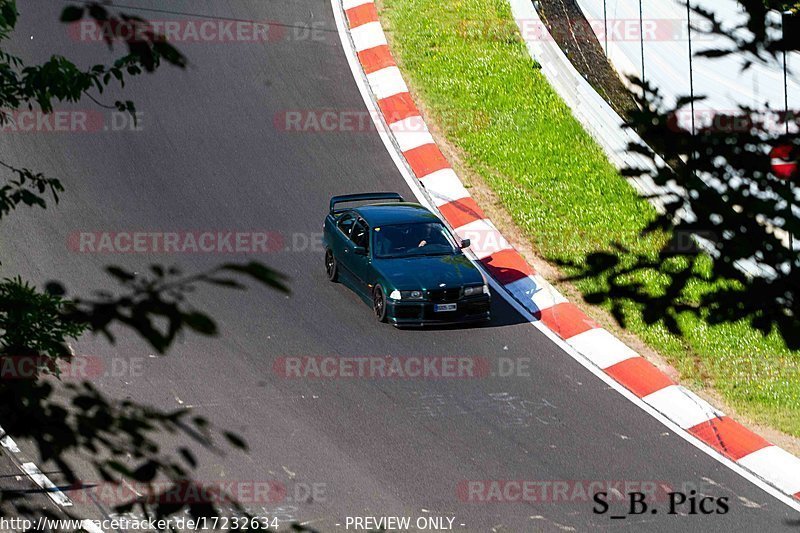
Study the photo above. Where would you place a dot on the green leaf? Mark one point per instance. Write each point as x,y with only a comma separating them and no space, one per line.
8,15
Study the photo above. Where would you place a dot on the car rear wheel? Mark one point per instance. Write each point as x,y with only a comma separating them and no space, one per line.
331,266
379,303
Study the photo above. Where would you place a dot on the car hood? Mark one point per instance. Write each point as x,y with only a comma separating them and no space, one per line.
429,272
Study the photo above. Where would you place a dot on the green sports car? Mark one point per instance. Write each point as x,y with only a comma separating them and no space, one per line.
403,261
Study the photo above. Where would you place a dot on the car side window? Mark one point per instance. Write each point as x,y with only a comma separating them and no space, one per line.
360,234
345,223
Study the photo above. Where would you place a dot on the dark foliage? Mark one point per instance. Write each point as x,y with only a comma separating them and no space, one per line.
72,420
728,209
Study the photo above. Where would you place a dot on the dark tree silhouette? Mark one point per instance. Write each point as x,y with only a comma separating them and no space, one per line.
117,438
729,257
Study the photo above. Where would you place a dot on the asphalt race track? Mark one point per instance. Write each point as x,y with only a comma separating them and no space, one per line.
208,156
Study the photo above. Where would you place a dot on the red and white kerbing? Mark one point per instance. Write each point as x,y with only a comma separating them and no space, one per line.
685,409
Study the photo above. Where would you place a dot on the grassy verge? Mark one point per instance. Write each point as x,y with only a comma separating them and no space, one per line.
512,132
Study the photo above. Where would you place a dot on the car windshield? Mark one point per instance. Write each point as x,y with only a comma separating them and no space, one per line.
411,240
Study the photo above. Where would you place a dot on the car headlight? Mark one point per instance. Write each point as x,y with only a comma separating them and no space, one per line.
411,295
407,295
472,291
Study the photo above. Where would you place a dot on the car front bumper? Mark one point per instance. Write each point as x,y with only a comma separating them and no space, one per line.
472,309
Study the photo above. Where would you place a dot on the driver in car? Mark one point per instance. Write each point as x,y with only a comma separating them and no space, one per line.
431,236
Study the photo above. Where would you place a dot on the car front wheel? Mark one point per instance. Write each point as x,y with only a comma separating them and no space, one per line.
379,303
331,266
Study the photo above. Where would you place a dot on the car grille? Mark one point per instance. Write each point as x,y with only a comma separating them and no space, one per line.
444,295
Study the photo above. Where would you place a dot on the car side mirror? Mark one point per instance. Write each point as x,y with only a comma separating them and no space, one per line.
359,250
465,243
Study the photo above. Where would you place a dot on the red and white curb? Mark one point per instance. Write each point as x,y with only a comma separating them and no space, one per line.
415,150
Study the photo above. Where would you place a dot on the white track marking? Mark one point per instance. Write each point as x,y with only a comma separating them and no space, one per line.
781,467
601,347
682,406
486,240
368,36
535,293
90,526
411,133
53,492
350,4
7,442
444,187
387,82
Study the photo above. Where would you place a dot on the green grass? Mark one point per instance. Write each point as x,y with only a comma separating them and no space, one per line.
478,82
